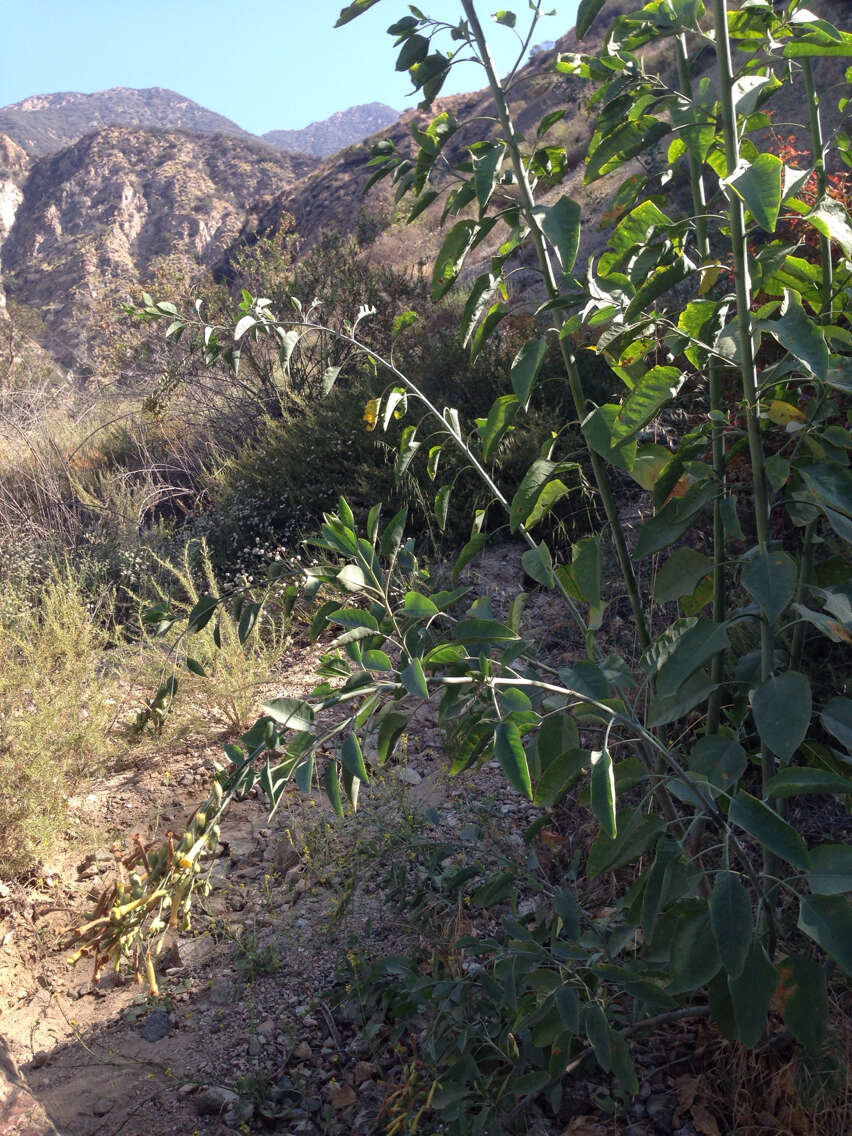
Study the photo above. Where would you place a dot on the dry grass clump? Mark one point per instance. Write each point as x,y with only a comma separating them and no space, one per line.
57,709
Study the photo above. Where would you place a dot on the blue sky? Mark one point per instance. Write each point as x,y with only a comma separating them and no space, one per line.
273,65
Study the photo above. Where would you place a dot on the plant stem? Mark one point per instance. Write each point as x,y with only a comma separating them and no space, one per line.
748,372
568,358
699,208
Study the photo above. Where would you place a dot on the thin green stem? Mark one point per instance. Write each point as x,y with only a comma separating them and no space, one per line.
699,209
574,381
748,370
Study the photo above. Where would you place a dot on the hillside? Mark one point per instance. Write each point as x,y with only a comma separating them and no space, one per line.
334,133
103,210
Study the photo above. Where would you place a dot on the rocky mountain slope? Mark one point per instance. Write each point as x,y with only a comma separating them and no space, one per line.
332,134
98,214
44,124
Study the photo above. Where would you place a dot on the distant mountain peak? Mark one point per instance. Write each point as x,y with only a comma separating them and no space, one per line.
44,124
339,130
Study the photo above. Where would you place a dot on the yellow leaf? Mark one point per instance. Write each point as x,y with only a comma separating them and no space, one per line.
783,413
709,276
371,413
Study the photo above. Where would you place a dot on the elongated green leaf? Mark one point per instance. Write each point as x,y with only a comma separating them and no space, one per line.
751,993
622,1062
804,997
550,496
635,835
419,606
656,387
760,185
483,631
782,712
668,849
390,731
509,751
597,1031
499,422
525,368
487,158
353,759
442,506
353,617
448,263
694,956
720,759
829,486
477,303
732,921
528,491
351,11
290,712
559,776
623,143
414,680
837,719
202,613
560,223
765,825
681,574
827,919
597,429
796,779
602,786
799,334
495,315
831,869
586,13
771,578
694,648
472,549
332,787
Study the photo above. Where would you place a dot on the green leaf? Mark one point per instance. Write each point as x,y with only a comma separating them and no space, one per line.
559,776
390,731
668,849
622,1062
442,506
560,223
628,139
483,631
332,787
195,667
656,387
831,869
392,536
732,921
765,825
799,334
509,751
827,919
290,712
680,574
509,19
586,13
693,649
538,564
663,710
487,158
831,219
751,993
419,606
597,1031
202,613
414,680
782,712
353,617
329,378
694,956
479,299
499,422
550,496
635,835
525,367
597,429
448,263
797,779
496,313
771,578
602,786
352,758
804,997
528,491
415,48
248,619
472,549
351,11
837,719
376,661
583,576
761,186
